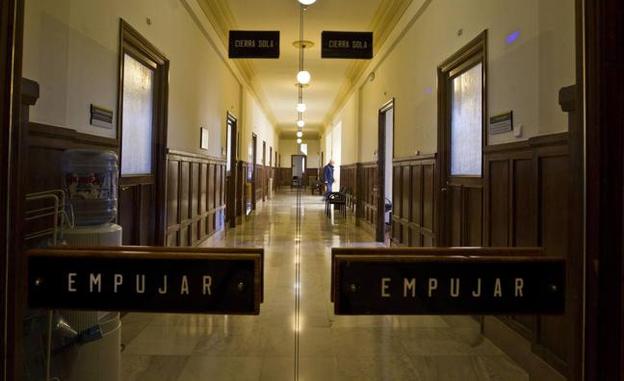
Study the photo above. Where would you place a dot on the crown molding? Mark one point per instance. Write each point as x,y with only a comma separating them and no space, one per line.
214,18
392,20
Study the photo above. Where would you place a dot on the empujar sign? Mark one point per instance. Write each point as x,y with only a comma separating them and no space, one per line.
215,281
458,281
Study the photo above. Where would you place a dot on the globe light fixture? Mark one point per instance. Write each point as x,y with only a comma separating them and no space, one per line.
299,134
299,141
301,107
304,77
307,2
300,123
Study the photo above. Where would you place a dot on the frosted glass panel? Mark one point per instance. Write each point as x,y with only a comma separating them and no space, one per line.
228,152
138,101
466,123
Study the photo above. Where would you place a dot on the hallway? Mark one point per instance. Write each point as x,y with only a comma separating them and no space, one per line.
297,336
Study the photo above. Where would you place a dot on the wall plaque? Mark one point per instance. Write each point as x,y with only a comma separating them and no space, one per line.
254,44
446,281
502,123
349,45
140,279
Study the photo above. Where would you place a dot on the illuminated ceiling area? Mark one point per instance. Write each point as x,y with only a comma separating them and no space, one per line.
274,80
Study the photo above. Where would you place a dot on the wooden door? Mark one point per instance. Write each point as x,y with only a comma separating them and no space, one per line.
462,112
142,129
385,154
230,170
254,174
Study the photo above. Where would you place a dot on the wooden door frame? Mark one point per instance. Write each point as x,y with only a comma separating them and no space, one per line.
230,208
292,165
465,58
254,175
12,169
380,229
604,199
133,43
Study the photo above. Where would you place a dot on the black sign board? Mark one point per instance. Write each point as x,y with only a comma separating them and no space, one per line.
141,279
254,44
349,45
446,281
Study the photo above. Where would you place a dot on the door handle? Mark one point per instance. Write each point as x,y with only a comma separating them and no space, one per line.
444,189
125,188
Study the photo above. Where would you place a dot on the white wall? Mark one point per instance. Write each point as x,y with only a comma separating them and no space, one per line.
256,122
289,146
71,48
524,76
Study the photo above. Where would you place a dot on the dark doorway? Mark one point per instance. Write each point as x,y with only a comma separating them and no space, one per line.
142,133
254,172
462,113
264,179
230,170
298,168
385,154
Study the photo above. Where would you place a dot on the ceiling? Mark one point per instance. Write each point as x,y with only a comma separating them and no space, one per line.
274,80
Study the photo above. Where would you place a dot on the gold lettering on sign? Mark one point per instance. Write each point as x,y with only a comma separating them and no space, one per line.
117,281
384,287
184,288
245,43
409,284
207,284
71,281
163,289
477,293
498,290
95,280
433,285
140,284
266,43
454,287
519,287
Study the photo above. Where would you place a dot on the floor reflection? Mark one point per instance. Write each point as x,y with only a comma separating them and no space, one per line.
201,347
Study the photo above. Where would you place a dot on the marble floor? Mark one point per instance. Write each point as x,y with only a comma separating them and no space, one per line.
297,336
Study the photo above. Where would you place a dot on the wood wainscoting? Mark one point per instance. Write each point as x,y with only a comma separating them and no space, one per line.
367,188
44,170
283,177
526,204
195,197
414,196
46,145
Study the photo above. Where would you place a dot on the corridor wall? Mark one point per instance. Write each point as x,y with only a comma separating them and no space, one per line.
71,48
531,57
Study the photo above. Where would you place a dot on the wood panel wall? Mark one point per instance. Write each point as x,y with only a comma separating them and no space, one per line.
45,147
526,204
367,190
283,176
414,196
195,197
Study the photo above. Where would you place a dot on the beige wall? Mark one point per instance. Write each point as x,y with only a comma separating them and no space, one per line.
290,147
348,117
71,48
524,76
255,121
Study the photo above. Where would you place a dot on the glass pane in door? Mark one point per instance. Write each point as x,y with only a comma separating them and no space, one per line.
467,122
138,98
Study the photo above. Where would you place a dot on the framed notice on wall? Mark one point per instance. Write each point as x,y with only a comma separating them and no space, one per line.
203,138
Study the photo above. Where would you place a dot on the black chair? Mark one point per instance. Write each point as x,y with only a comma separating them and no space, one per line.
338,199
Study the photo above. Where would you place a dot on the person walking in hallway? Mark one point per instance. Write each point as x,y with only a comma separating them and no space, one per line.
328,177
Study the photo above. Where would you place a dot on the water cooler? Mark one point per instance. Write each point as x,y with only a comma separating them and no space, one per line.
91,186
